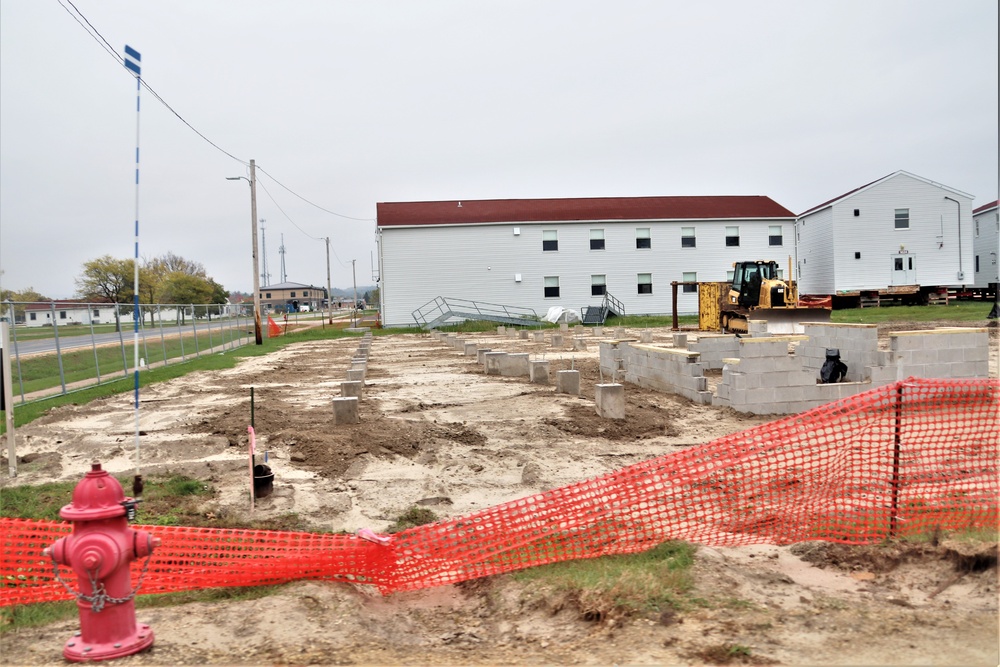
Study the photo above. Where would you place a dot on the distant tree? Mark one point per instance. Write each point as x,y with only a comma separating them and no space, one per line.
108,279
28,295
180,287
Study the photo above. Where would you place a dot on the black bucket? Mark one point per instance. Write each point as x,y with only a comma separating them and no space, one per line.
263,481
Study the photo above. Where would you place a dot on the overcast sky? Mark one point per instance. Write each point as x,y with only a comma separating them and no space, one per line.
352,103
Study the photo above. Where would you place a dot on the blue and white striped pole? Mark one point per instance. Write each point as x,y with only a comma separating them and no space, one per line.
132,63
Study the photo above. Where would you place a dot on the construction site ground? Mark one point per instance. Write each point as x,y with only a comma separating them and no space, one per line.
436,432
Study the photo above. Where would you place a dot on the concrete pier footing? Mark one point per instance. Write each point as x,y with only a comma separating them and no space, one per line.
538,372
492,360
356,375
345,410
351,388
557,340
610,400
568,382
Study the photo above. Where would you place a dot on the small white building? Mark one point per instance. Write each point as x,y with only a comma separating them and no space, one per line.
539,253
901,233
986,224
68,311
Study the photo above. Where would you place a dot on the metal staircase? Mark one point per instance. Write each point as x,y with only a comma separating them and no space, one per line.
598,314
447,310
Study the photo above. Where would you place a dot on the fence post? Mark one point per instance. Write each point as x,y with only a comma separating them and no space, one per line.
894,512
17,353
142,327
208,311
93,343
163,342
121,339
55,331
194,327
180,332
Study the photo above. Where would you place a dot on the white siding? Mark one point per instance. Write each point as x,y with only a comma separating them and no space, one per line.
987,246
815,253
479,262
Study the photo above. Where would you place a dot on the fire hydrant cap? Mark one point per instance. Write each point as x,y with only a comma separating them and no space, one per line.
97,496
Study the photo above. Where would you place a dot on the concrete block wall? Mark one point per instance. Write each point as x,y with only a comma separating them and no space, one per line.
713,348
941,353
660,368
858,345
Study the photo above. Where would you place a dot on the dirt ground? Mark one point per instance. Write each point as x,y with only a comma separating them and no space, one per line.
436,432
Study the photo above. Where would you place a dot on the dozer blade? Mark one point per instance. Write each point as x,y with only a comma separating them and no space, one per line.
789,320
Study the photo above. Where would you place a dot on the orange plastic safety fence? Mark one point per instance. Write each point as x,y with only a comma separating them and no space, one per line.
903,459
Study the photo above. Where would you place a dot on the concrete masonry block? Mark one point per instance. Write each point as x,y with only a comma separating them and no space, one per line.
680,340
351,388
568,382
970,369
345,410
538,336
538,372
514,365
492,362
975,353
355,375
470,349
610,400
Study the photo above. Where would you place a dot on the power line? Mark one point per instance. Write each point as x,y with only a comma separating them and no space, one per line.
288,217
104,44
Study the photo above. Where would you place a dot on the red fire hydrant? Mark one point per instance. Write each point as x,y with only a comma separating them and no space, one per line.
99,551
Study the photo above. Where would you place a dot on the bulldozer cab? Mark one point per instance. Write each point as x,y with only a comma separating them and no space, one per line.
748,277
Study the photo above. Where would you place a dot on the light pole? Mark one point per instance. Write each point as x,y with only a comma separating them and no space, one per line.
253,226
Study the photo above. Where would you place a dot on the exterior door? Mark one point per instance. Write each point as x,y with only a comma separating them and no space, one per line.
903,271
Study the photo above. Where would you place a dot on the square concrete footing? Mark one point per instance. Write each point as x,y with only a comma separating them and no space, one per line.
523,334
557,340
470,349
645,336
598,331
514,364
492,361
680,340
579,343
501,330
620,333
610,400
351,388
568,382
538,372
538,336
563,326
356,375
345,410
481,355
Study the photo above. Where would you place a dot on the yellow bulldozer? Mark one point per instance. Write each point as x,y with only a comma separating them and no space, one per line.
756,293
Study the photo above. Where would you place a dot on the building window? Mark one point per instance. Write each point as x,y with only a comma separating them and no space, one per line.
729,276
550,241
687,237
268,296
599,286
551,286
732,237
293,295
305,293
774,235
31,316
977,226
597,239
645,283
902,218
690,277
62,314
97,313
642,238
977,263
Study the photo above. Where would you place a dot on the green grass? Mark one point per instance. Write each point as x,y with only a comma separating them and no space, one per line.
650,582
959,311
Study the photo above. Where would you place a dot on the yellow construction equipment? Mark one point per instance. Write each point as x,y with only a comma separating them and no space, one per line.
755,293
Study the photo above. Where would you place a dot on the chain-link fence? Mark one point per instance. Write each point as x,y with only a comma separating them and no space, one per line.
62,346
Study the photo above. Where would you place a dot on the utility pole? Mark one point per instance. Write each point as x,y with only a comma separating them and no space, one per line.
265,276
281,251
354,309
258,336
329,297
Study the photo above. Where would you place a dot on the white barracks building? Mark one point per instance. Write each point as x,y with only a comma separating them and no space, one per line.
539,253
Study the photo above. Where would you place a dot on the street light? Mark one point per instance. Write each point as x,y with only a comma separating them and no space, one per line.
253,226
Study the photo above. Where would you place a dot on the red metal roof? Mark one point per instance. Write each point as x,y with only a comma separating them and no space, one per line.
568,210
985,207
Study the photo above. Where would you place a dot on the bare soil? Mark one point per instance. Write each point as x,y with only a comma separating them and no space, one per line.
437,432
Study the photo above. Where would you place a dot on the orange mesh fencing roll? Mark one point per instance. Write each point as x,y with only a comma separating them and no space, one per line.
900,460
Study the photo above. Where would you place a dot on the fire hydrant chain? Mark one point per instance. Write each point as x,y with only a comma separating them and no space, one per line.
100,596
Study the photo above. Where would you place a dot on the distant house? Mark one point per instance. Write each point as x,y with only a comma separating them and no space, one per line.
902,233
291,297
68,311
986,232
539,253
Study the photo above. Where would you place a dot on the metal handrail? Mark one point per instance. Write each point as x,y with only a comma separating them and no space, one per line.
440,309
